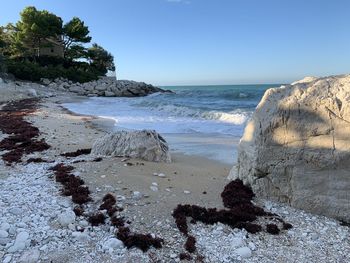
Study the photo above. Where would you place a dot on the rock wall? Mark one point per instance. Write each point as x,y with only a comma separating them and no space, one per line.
106,87
296,147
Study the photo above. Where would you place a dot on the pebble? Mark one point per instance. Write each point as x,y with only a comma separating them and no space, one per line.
30,256
187,192
16,211
66,218
243,252
112,244
3,234
154,188
5,226
81,236
7,259
136,195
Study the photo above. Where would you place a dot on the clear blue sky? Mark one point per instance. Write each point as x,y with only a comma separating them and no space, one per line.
168,42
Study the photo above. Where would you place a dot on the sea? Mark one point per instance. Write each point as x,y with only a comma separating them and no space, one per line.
206,121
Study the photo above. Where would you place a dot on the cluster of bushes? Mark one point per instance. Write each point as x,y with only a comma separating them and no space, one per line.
25,69
22,43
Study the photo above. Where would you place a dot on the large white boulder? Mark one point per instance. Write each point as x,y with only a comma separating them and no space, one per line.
296,148
146,144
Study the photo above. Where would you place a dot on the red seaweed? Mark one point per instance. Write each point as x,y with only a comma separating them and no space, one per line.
97,219
77,153
141,241
23,134
239,212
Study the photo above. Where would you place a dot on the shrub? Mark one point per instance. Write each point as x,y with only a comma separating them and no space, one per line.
51,68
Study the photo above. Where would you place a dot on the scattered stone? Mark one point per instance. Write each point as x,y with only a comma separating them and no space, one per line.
81,236
66,218
136,195
243,252
31,256
7,259
3,234
113,244
154,188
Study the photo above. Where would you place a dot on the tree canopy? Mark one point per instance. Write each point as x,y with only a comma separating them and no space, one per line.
22,45
100,58
75,33
35,26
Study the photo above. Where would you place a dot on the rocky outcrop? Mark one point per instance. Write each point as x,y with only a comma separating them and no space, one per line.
105,87
18,90
146,144
296,148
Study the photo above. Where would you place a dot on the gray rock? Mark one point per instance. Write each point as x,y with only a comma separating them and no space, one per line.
76,89
32,93
146,144
20,242
5,226
112,244
296,148
45,81
66,218
109,94
244,252
3,234
16,211
31,256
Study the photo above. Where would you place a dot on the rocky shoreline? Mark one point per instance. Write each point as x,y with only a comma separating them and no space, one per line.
105,87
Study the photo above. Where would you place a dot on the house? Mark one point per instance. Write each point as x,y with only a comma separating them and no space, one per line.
52,47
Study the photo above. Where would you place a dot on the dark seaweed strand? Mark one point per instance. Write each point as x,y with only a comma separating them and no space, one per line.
240,213
23,135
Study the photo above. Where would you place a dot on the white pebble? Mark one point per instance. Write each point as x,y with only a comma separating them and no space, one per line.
3,234
243,252
7,259
154,188
66,218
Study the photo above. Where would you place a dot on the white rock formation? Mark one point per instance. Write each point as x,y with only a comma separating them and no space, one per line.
296,148
146,144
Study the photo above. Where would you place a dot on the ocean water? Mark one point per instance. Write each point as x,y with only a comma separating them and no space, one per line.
201,120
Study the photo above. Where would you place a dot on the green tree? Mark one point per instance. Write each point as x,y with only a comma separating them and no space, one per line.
100,59
36,26
75,33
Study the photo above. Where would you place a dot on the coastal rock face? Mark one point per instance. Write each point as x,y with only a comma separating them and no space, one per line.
146,144
296,148
105,86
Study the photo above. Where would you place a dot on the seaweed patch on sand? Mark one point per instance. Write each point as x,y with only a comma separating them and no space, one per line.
23,135
77,153
72,185
240,213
